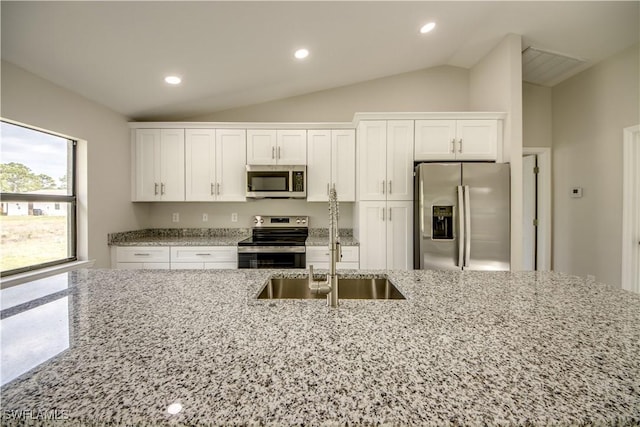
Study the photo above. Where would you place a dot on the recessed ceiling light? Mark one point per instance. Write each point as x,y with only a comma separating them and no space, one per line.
173,80
427,27
301,53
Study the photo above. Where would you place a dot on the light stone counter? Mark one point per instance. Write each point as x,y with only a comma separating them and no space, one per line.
472,348
179,237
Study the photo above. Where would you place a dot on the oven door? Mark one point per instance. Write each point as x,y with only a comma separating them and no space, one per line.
260,257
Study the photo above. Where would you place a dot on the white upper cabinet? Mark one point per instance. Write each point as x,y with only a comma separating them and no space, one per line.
291,147
456,140
159,165
318,165
215,168
330,162
231,152
276,147
385,160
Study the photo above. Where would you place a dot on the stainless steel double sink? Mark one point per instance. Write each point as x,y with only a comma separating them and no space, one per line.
348,288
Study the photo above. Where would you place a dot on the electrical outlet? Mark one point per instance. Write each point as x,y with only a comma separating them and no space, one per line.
175,217
234,217
205,217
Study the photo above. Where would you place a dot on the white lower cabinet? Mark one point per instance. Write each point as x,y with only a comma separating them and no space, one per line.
175,257
203,257
319,257
142,257
386,235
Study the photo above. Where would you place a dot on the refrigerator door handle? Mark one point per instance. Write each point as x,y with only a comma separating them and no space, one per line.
461,230
467,227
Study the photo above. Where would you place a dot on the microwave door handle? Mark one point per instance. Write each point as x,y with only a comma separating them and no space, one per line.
291,181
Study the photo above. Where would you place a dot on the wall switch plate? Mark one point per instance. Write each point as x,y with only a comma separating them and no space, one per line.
205,217
576,192
234,217
175,217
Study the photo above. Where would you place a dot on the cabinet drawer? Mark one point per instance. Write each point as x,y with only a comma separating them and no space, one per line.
204,254
142,254
321,254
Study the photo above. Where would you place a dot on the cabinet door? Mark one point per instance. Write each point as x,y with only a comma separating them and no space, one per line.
200,153
147,165
343,160
477,139
399,223
261,147
318,165
373,240
142,254
172,165
231,177
372,162
435,140
291,147
399,182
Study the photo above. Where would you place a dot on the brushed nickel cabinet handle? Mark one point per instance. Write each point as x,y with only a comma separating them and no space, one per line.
273,152
453,145
162,189
460,146
212,190
155,189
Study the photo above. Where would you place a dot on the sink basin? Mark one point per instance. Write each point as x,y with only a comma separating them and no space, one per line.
348,288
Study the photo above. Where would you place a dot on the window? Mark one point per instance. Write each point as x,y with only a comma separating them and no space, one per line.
37,194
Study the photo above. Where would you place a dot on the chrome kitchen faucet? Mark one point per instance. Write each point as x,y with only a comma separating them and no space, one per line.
329,286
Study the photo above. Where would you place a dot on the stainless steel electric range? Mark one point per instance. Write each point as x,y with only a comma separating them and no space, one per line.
275,242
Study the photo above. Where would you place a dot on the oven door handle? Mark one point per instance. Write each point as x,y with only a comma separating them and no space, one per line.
270,249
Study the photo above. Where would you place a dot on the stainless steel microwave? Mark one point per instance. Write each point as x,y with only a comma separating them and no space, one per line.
276,181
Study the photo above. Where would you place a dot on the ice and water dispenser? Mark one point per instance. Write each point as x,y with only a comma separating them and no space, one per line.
442,223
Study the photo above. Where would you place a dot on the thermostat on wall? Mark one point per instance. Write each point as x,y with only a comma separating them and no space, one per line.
576,192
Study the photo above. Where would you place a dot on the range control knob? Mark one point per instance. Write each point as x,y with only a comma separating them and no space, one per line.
255,220
261,220
298,221
304,221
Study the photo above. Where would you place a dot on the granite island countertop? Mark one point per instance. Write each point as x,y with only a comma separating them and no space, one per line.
464,348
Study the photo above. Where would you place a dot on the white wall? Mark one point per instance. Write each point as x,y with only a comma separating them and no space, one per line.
536,115
495,84
443,88
589,112
219,214
105,191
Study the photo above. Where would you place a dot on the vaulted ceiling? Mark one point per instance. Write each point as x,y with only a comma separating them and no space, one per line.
236,53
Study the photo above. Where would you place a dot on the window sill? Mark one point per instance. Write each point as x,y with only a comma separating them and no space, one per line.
18,279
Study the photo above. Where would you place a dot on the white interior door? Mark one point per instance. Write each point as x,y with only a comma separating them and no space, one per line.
529,212
631,210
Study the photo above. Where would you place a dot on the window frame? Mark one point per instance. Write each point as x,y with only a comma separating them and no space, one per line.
71,199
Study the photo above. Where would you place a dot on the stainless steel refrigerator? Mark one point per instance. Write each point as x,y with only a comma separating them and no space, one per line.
462,216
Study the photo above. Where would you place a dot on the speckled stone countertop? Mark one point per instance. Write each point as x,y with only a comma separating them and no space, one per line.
211,237
320,237
180,237
471,348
